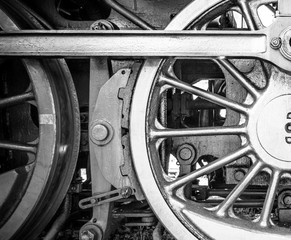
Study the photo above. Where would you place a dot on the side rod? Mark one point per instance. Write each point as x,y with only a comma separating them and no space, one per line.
133,43
152,43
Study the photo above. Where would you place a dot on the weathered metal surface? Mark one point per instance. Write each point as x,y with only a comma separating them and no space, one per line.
108,109
270,44
99,75
133,43
125,94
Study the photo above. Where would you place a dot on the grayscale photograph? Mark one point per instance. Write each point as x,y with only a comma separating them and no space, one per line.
145,120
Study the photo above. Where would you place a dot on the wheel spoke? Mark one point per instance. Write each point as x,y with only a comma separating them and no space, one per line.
271,8
265,220
12,178
6,102
207,131
214,98
248,14
223,208
18,146
243,80
219,163
253,22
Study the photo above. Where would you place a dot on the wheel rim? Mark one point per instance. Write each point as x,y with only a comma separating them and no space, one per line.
186,219
33,191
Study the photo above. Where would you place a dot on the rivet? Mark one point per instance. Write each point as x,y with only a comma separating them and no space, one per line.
239,175
185,153
287,200
99,132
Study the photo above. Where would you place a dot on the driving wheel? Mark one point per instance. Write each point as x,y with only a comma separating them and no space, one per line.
39,136
230,139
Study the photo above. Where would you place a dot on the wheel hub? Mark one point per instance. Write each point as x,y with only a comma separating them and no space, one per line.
273,128
269,125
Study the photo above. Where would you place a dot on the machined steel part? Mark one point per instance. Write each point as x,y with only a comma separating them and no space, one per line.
256,44
106,132
107,197
148,43
110,160
262,131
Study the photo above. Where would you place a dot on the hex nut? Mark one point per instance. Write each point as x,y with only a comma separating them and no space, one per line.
90,232
186,154
276,43
126,192
87,235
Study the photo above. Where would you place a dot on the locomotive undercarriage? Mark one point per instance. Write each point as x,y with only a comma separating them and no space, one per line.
112,132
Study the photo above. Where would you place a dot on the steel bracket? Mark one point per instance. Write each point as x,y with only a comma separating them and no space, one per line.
105,130
107,197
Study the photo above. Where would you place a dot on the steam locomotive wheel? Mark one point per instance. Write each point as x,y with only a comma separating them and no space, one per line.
39,135
260,130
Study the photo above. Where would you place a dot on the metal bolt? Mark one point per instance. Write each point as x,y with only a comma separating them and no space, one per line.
238,175
125,192
99,132
87,235
276,43
102,25
197,192
93,201
287,200
185,153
